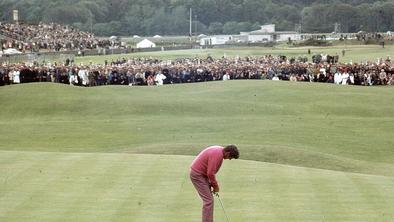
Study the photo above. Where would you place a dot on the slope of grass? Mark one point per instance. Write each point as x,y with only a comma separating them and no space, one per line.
312,125
37,186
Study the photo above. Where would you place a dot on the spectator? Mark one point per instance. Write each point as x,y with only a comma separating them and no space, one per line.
383,77
137,71
159,78
338,78
49,37
345,77
226,76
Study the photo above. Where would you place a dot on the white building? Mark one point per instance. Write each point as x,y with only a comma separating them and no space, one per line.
267,33
146,44
216,40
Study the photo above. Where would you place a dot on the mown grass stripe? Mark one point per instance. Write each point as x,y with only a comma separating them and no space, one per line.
125,184
379,203
246,192
29,192
135,203
12,164
135,168
95,174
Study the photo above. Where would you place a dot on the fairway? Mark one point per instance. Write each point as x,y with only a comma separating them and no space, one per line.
310,151
353,53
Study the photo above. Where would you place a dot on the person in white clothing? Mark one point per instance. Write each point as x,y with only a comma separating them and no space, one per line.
73,79
159,78
16,77
275,78
11,76
351,79
83,74
226,77
345,77
337,78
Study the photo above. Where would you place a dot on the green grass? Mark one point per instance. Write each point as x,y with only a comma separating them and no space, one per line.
311,152
354,53
314,125
125,187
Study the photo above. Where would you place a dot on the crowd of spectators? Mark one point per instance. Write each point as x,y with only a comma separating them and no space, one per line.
364,36
48,37
149,71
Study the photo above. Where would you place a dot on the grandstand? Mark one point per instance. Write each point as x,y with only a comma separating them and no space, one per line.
48,37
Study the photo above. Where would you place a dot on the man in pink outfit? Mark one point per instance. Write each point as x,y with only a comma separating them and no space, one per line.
202,174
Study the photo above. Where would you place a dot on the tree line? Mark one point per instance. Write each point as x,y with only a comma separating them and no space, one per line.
171,17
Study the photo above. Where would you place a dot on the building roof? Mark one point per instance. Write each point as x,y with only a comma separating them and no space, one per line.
146,43
259,32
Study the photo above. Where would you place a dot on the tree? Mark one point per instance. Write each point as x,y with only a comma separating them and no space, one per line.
102,29
314,19
179,21
215,28
158,23
67,15
346,15
172,16
230,28
383,15
253,11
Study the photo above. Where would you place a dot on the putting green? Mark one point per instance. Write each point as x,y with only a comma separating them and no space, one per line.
39,186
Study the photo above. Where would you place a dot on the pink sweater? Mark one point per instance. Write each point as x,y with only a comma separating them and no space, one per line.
208,163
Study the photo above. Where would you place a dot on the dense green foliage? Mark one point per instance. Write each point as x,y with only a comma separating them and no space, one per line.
129,17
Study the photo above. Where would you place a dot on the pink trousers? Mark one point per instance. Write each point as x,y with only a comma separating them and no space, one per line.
201,183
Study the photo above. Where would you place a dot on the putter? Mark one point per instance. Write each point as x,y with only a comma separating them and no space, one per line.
221,204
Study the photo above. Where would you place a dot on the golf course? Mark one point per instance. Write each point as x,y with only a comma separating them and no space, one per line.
308,151
196,111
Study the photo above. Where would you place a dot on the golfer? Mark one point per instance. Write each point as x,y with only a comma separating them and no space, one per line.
202,174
